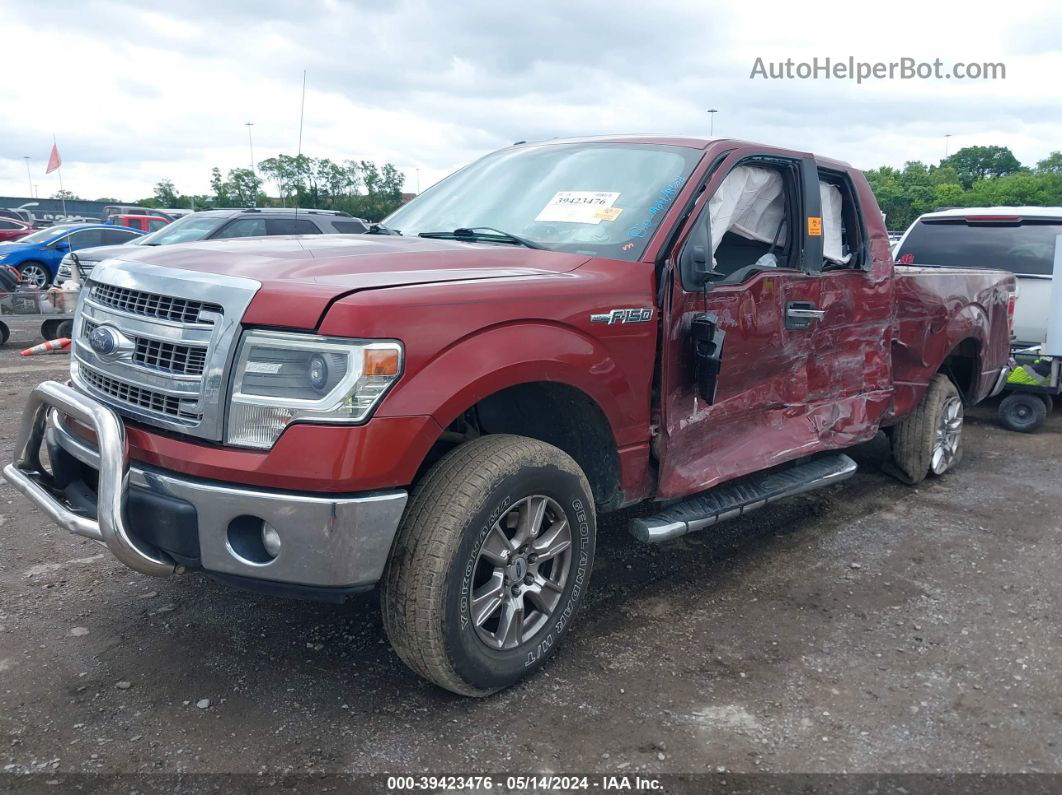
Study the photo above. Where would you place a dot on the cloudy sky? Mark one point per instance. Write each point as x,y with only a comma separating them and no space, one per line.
137,92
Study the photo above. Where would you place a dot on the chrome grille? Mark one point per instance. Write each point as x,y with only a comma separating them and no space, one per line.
165,307
133,395
167,356
178,331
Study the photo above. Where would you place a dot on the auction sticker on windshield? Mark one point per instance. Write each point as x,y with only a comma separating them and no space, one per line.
579,207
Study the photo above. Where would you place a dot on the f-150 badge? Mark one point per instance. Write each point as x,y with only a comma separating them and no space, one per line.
618,316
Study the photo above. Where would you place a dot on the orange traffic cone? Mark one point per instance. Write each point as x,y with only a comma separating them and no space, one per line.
61,345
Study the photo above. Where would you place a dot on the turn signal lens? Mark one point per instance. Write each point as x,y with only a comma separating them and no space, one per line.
382,361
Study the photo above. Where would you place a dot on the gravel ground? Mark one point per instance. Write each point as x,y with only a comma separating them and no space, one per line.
870,627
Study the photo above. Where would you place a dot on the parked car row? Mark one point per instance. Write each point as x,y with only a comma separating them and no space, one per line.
45,256
222,224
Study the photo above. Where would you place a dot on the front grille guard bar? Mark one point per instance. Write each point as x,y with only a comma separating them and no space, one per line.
29,476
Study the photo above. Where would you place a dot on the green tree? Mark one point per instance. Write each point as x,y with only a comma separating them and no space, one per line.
1052,164
66,195
166,194
972,163
243,187
220,188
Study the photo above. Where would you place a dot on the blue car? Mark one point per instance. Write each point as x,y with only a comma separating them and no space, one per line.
37,256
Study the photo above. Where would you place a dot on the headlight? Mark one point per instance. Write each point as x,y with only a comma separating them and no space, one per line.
281,378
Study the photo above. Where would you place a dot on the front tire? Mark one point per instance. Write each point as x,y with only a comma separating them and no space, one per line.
929,441
34,274
490,564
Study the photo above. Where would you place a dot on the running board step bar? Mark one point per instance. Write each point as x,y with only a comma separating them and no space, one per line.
738,497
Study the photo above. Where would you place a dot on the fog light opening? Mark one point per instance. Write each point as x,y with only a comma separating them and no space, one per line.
253,540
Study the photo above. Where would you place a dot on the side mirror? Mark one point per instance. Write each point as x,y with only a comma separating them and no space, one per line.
707,340
61,245
695,260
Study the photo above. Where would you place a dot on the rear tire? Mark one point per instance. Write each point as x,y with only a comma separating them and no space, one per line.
929,441
1023,412
64,329
491,563
5,333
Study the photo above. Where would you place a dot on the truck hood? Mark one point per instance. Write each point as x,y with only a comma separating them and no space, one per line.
302,275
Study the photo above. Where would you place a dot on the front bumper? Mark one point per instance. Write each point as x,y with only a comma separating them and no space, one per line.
157,522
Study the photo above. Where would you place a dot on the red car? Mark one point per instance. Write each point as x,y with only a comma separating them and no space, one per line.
560,330
142,223
11,229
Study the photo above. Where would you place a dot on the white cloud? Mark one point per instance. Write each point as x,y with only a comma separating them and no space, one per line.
138,95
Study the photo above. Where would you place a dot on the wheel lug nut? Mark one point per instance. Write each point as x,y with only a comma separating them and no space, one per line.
528,579
532,558
515,590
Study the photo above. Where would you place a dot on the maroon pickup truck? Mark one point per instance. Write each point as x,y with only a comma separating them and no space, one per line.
445,406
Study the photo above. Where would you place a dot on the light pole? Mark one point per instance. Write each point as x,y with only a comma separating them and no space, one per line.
28,175
418,181
250,142
711,125
947,142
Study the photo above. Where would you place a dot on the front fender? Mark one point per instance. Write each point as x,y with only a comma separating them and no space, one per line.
495,358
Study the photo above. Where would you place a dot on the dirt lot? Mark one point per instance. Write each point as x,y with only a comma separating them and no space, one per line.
869,627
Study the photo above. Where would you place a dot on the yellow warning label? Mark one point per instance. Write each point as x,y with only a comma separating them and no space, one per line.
814,226
611,214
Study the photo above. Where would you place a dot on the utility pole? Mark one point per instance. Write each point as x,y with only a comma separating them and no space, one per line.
250,142
28,175
711,125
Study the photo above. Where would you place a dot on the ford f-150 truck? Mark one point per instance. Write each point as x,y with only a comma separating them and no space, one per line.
445,406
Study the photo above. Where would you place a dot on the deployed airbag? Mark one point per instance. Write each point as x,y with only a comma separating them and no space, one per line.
750,202
832,245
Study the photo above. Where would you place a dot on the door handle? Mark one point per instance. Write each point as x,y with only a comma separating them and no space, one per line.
799,314
809,314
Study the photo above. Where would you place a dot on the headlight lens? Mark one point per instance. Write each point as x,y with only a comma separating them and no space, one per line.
281,378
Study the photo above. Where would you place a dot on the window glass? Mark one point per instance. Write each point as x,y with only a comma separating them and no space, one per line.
44,235
604,199
243,227
154,226
86,238
8,225
114,237
349,227
1026,247
192,227
291,226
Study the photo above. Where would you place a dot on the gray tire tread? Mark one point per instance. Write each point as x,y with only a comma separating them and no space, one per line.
442,504
912,439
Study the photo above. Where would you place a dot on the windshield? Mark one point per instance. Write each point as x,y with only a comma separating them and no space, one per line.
44,235
1024,248
183,230
602,199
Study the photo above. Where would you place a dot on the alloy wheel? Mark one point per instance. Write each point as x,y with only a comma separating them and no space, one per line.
521,571
947,436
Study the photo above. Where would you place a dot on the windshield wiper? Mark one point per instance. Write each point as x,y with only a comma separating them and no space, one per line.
485,233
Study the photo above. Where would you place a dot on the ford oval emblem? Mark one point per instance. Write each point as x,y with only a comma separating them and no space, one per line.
103,340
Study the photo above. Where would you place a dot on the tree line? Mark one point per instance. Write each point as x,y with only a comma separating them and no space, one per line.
975,176
361,188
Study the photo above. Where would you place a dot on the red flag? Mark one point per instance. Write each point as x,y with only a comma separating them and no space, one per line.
54,161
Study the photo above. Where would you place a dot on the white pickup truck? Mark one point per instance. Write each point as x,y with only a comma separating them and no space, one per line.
1016,239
